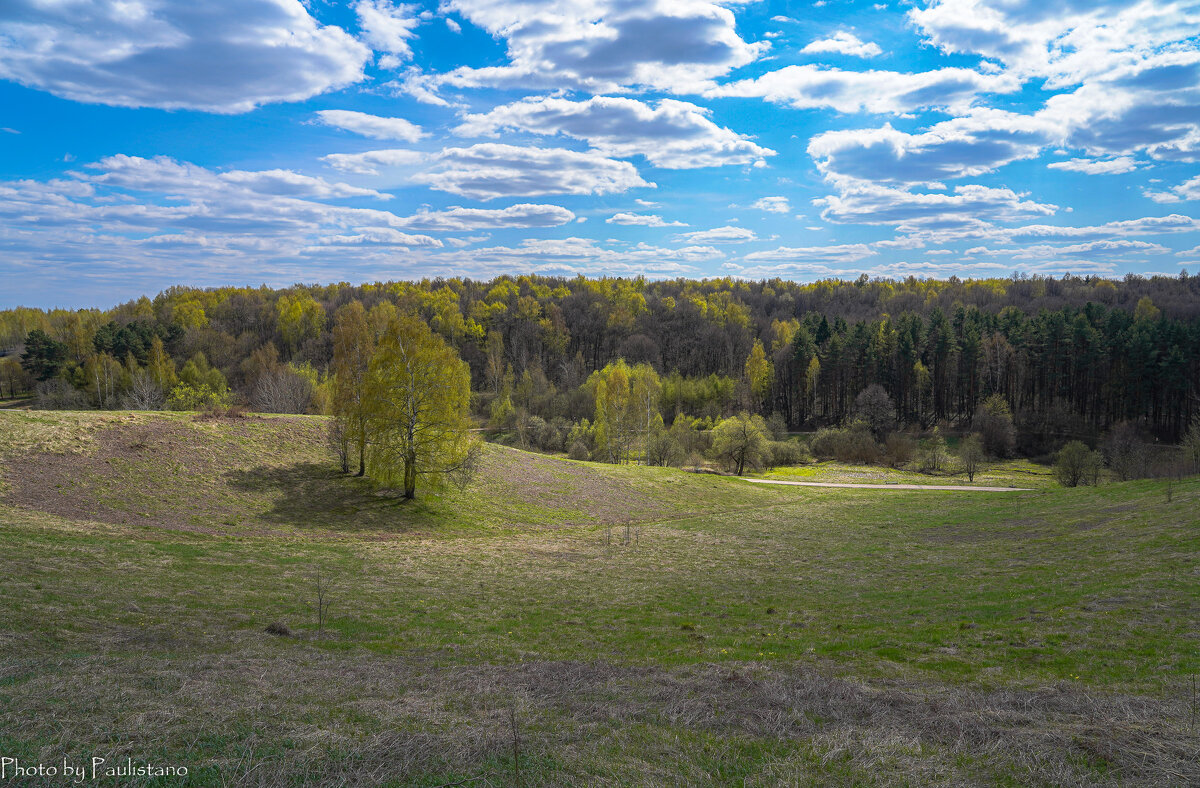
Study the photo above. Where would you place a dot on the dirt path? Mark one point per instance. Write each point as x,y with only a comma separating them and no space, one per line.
890,486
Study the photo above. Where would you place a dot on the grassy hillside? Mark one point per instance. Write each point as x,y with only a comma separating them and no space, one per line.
747,634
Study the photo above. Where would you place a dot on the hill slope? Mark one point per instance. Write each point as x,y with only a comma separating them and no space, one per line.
749,635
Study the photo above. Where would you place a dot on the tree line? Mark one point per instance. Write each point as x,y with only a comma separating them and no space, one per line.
1070,358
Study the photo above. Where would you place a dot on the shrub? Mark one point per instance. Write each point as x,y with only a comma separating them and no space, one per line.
578,451
663,449
788,453
846,444
934,458
58,394
189,397
994,421
1076,464
1125,452
971,454
900,449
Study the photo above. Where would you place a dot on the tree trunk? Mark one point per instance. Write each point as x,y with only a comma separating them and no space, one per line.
362,458
410,475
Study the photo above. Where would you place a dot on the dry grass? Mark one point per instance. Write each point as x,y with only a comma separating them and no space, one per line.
274,717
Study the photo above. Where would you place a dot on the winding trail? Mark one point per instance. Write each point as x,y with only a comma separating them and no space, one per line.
954,487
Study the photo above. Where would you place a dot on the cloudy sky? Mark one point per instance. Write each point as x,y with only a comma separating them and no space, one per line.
146,143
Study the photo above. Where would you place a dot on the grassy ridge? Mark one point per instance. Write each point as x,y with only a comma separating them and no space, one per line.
772,635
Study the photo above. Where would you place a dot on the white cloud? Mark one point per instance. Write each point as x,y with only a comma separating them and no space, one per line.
372,126
721,235
1066,41
880,92
379,236
974,144
864,202
641,220
387,27
792,255
218,56
772,204
453,26
286,183
457,219
1096,166
369,162
489,170
606,46
670,134
843,43
1188,190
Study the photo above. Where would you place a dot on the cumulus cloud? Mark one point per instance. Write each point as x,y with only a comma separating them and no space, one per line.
669,134
370,162
1188,190
1097,166
970,145
641,220
772,204
386,27
865,202
372,126
490,170
721,235
457,219
223,56
835,253
880,92
1065,41
843,43
606,46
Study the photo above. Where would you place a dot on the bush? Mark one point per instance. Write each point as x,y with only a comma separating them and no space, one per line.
58,394
788,453
578,451
900,449
846,444
202,397
1126,452
663,449
994,421
777,426
934,457
1076,464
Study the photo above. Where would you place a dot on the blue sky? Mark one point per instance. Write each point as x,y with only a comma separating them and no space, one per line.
148,143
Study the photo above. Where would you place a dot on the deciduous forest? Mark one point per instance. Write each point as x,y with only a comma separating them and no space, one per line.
1069,358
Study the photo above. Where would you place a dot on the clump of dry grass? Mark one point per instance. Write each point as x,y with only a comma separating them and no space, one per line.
358,719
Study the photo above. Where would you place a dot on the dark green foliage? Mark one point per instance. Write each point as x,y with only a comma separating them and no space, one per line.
43,356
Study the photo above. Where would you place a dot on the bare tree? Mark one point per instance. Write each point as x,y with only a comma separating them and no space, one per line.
145,393
324,599
282,390
971,454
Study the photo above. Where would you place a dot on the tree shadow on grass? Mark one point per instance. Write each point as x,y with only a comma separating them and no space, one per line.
310,496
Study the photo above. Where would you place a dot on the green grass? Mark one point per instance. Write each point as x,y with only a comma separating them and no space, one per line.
995,473
748,634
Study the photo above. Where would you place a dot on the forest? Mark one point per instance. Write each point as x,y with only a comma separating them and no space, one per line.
1065,359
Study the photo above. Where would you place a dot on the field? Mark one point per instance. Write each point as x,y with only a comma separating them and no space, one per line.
564,623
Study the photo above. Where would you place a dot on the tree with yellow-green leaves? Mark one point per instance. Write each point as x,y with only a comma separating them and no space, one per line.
418,394
353,346
300,318
759,375
626,406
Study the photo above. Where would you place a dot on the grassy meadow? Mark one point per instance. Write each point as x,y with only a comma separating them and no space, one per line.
569,623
